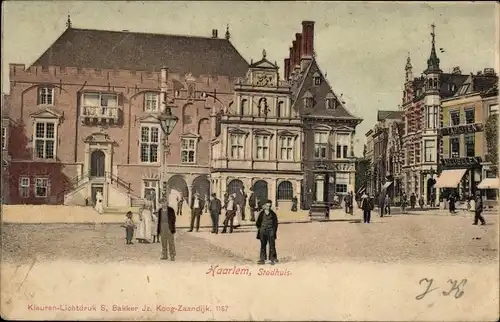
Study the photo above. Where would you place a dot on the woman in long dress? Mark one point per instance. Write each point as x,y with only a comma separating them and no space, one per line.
98,203
144,231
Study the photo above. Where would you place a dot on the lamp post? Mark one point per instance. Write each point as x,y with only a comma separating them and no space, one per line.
167,123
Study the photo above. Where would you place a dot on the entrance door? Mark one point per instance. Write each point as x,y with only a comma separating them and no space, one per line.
97,167
151,189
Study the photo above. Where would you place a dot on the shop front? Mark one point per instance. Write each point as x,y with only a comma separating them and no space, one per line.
460,177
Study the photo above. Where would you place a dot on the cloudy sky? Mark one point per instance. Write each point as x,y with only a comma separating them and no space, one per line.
362,46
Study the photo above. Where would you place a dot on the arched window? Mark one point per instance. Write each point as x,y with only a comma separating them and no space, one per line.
244,107
285,190
280,110
234,186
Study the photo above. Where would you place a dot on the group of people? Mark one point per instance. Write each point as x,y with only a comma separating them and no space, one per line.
160,225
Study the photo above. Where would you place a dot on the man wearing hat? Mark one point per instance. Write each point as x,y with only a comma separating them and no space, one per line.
166,229
197,205
479,209
267,232
215,208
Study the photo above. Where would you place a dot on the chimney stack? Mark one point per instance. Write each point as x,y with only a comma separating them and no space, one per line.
287,69
214,33
292,63
298,41
163,87
307,39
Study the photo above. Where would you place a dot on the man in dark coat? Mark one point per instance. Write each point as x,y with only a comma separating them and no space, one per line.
215,208
267,232
413,201
166,230
479,209
367,206
243,203
197,205
252,204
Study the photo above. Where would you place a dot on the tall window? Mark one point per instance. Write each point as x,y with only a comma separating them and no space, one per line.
4,138
45,140
454,147
262,147
454,118
330,103
317,80
320,144
417,152
343,143
308,102
149,144
188,151
469,116
41,187
151,102
470,148
282,110
493,110
237,145
430,150
46,95
341,182
24,187
286,148
431,117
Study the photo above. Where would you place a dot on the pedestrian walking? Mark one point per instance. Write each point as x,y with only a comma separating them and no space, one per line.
387,204
479,210
197,205
129,228
230,213
367,206
404,202
215,208
166,230
267,232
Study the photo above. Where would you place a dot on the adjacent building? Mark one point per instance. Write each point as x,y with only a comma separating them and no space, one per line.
258,140
464,154
329,128
85,116
369,154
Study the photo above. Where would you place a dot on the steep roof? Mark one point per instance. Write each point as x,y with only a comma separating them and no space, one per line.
305,85
389,115
125,50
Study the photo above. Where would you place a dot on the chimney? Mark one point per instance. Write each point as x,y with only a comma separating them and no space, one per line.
287,69
307,39
298,40
489,72
292,63
163,87
214,33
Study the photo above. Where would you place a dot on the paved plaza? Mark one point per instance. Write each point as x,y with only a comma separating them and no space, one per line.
428,238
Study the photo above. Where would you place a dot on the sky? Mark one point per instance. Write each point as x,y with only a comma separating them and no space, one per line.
362,47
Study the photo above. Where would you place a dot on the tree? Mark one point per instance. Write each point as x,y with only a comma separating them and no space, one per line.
491,133
363,173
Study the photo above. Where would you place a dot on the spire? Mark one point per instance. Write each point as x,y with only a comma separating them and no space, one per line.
228,35
68,22
408,63
433,61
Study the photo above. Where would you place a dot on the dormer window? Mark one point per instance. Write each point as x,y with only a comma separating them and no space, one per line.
308,100
151,102
46,96
316,79
330,101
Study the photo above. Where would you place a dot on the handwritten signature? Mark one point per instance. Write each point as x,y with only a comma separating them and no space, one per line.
456,287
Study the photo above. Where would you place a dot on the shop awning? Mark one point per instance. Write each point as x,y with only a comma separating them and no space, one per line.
386,185
489,183
450,178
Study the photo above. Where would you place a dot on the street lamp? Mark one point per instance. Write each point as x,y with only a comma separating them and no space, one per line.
167,123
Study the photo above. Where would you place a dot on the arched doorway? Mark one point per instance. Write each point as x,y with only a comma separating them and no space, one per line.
234,186
285,190
201,185
260,191
430,189
178,189
97,166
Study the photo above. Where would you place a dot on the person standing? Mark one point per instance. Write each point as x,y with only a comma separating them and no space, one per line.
366,205
294,204
433,199
166,230
197,205
478,210
404,202
421,202
413,201
351,203
451,203
146,221
129,228
387,204
215,208
347,202
252,203
180,202
267,232
243,203
230,213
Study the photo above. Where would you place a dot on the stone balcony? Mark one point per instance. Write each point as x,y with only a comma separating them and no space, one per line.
100,114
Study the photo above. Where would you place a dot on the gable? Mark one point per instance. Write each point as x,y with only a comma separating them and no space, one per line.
319,93
189,135
46,113
149,118
98,137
